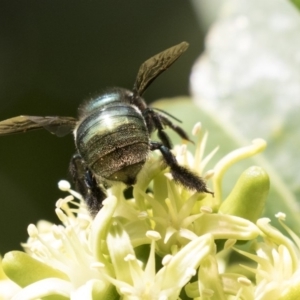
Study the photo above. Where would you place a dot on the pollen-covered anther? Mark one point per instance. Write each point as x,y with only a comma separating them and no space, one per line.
32,231
153,235
206,209
244,281
197,129
167,259
280,216
64,185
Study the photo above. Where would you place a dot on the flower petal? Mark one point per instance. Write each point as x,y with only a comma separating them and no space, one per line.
226,227
188,258
24,270
46,287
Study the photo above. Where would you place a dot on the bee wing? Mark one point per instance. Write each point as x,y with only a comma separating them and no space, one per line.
59,126
155,65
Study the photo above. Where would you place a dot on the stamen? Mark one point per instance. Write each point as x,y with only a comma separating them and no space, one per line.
64,185
244,281
197,129
153,235
280,216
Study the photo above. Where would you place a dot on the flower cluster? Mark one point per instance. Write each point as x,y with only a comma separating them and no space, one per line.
164,243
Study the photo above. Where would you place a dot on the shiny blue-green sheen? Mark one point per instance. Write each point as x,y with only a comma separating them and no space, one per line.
113,139
104,100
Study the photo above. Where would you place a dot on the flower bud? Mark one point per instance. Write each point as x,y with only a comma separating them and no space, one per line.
248,197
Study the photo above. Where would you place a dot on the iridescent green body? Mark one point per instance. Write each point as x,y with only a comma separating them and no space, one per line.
112,137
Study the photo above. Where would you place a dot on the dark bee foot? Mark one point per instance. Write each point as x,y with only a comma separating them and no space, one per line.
95,195
181,174
86,185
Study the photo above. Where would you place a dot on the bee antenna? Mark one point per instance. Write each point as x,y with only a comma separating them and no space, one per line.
166,113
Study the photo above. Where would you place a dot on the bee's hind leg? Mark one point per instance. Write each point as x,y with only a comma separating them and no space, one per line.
86,184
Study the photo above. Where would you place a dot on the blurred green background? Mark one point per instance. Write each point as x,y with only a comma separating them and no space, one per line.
53,55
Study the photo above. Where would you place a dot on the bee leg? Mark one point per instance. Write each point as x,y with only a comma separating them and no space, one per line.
175,128
95,194
154,121
86,184
180,174
158,121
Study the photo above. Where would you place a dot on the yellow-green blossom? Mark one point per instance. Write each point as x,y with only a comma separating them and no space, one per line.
153,246
278,260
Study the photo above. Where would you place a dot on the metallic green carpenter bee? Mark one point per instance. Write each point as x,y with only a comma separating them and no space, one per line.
112,135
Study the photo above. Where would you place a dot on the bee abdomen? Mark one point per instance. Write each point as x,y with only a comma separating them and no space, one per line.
114,142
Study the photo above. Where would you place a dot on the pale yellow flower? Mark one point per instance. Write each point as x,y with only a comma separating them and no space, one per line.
148,247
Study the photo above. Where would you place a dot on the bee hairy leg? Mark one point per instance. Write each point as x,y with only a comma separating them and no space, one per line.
95,194
158,121
154,121
175,128
86,184
180,174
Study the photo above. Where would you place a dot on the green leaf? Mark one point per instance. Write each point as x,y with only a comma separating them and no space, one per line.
296,3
